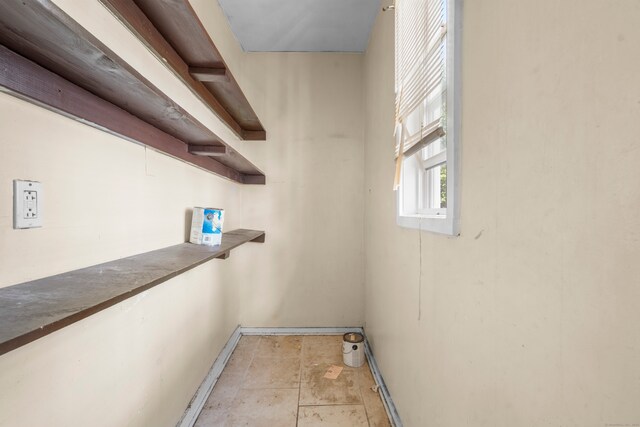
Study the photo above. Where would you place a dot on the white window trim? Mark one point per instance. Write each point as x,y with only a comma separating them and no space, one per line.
450,224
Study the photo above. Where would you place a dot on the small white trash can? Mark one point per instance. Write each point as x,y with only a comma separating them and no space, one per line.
353,349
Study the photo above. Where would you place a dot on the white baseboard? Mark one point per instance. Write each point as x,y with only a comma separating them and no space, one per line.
299,331
202,394
392,412
197,403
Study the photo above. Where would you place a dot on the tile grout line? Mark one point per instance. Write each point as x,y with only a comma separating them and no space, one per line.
300,380
244,376
333,404
246,370
360,383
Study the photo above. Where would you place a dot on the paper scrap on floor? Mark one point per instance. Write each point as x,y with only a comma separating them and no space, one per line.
333,372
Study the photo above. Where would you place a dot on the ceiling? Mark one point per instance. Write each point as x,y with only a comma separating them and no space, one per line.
301,25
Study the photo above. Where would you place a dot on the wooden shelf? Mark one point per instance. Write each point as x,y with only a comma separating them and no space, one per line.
49,59
31,310
174,33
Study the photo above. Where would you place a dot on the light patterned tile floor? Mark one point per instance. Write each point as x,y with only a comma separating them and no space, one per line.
279,381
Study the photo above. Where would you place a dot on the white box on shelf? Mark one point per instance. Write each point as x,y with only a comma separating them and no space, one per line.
206,226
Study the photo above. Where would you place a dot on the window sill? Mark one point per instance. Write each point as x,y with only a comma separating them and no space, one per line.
424,216
441,224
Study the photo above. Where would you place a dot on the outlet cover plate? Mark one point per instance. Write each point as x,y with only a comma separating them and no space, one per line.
27,204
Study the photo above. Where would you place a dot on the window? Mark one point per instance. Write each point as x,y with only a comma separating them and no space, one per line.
427,113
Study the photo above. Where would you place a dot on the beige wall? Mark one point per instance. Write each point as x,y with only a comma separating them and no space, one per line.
312,274
139,363
106,198
530,317
312,271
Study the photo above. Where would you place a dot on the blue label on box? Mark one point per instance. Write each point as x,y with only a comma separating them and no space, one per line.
206,226
212,223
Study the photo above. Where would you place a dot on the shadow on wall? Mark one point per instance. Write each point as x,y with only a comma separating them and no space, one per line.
188,215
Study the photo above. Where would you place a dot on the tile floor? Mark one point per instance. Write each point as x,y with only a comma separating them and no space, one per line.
278,381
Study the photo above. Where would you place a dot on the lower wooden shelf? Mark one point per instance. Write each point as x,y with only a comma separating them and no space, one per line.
31,310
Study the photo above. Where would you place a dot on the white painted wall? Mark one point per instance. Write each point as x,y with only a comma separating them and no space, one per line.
530,317
139,363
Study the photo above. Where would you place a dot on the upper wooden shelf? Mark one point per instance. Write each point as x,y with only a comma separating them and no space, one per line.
174,33
31,310
49,59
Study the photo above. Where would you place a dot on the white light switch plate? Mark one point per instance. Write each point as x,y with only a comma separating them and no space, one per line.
27,204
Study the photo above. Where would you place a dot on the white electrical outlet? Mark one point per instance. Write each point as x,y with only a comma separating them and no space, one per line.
27,204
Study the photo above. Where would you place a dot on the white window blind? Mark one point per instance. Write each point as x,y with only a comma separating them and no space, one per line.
420,75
